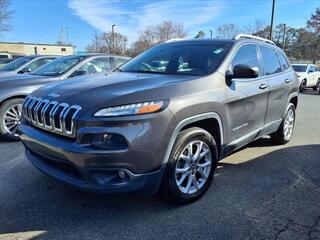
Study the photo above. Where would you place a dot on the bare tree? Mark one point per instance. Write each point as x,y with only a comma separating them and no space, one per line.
156,34
5,15
227,30
112,43
258,26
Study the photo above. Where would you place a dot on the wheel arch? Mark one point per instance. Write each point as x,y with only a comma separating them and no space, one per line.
12,97
210,122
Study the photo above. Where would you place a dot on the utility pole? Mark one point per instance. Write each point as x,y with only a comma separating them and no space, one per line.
210,33
113,44
272,16
284,37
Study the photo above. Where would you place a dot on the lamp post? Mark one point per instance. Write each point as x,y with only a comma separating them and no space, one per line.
272,16
210,33
113,38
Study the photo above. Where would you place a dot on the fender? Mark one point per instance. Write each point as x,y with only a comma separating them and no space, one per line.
187,121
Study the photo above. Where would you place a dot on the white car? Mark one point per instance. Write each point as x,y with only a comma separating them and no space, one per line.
309,76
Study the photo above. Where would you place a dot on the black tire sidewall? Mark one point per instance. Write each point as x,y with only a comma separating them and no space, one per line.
183,140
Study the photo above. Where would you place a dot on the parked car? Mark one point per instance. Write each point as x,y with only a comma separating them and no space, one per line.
152,128
14,89
6,55
308,75
24,65
5,61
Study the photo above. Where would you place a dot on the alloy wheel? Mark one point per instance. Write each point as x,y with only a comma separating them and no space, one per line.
193,167
12,118
289,124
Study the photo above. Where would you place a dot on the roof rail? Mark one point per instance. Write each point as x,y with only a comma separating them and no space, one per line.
239,36
175,40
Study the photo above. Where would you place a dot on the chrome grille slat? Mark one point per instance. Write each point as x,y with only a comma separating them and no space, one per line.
51,115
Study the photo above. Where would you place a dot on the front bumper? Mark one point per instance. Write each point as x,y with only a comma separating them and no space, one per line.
137,168
96,180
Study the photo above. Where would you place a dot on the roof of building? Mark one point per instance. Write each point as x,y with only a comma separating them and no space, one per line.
41,44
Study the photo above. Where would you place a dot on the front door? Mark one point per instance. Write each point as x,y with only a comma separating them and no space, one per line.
246,100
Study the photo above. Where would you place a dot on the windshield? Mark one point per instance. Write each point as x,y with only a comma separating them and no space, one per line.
59,66
300,68
16,64
196,58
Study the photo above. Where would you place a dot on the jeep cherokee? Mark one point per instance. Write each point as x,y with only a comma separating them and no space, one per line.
161,121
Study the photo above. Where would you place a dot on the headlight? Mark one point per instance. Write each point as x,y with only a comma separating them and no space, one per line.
131,109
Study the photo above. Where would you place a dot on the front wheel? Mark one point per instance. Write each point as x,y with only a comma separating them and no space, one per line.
10,116
284,134
303,85
190,169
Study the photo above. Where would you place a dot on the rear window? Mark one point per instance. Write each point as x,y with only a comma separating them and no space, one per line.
300,68
270,61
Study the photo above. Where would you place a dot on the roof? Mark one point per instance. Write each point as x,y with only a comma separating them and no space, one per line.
41,44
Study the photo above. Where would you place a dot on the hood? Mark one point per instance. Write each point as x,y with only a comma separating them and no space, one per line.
7,73
22,79
112,89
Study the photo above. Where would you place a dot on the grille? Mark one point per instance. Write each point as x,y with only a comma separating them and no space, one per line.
51,115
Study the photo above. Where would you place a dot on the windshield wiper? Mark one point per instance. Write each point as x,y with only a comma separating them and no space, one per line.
117,70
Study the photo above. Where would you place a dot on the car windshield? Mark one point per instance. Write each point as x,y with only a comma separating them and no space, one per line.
16,64
182,58
300,68
59,66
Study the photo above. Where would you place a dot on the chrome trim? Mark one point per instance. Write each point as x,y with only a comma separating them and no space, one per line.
35,111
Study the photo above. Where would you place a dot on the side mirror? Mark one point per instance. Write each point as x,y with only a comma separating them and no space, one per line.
78,73
242,71
24,70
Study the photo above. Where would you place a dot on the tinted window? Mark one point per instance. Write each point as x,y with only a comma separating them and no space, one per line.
38,63
97,65
283,61
311,68
16,64
120,61
270,61
183,58
246,55
59,66
299,68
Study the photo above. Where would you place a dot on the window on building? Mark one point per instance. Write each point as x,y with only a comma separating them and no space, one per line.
63,49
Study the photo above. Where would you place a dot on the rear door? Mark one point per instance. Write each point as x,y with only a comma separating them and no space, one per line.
247,99
279,77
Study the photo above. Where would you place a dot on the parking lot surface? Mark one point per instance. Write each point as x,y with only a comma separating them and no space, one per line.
259,192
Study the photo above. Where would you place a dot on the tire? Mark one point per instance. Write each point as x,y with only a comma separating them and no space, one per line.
203,176
303,85
281,136
317,87
11,110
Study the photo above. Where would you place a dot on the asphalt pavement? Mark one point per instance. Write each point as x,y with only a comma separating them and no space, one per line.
259,192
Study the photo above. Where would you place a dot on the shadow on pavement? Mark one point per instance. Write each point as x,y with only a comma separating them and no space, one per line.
259,198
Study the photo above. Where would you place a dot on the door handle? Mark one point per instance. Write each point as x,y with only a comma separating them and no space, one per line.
263,86
287,80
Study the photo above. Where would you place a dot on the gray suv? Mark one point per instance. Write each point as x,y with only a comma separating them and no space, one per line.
161,121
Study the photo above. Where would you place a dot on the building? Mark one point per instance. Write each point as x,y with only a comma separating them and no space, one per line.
33,48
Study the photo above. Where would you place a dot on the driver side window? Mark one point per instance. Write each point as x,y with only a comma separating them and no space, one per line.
246,55
97,65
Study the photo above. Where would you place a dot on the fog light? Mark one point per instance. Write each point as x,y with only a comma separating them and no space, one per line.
109,141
